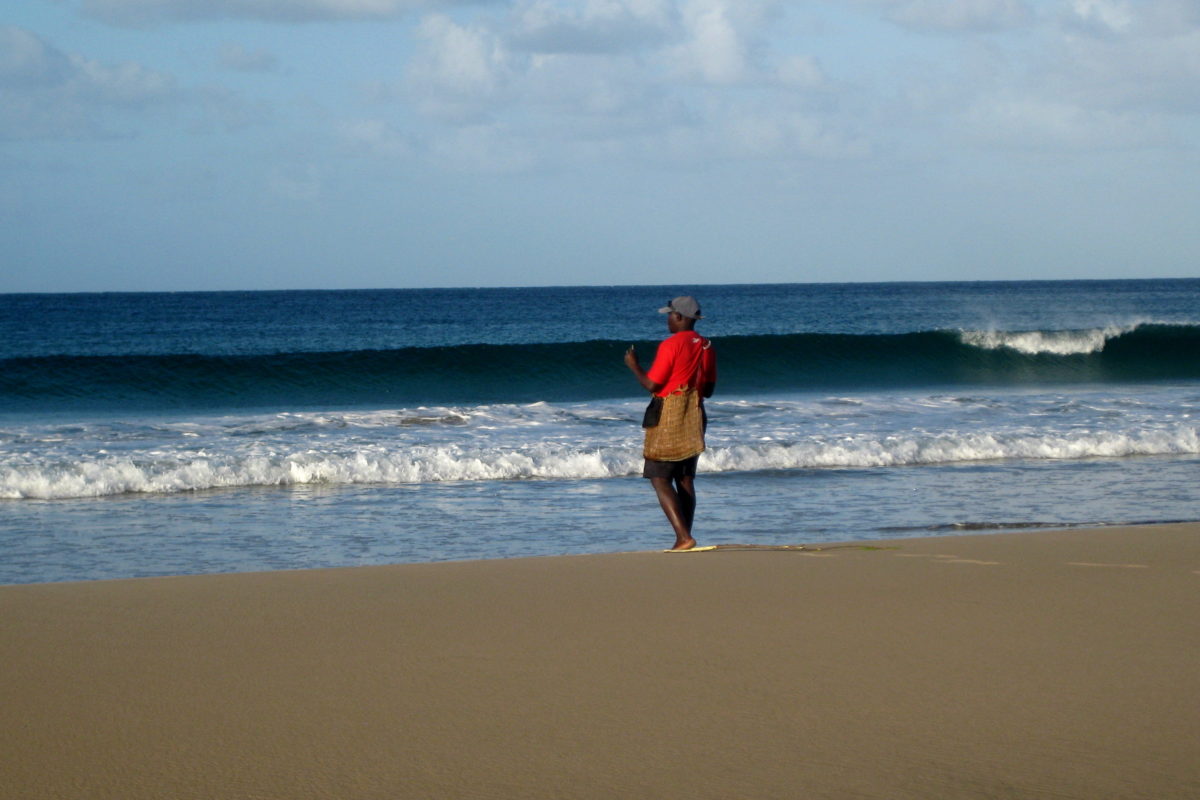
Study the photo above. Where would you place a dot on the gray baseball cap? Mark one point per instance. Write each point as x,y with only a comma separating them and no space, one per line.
685,306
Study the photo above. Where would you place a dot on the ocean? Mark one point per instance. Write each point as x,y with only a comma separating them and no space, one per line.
178,433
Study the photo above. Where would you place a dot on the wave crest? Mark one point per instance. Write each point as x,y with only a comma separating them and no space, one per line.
1059,343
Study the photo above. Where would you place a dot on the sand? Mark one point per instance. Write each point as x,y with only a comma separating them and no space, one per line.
1056,664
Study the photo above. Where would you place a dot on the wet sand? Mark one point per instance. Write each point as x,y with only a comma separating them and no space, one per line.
1058,664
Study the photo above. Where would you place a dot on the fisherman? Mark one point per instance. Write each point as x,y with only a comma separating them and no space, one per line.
683,374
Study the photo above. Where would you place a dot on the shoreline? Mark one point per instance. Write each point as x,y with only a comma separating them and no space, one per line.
1044,663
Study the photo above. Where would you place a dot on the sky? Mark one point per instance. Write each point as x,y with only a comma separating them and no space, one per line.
171,145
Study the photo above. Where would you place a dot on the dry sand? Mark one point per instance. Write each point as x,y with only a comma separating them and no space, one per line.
1045,665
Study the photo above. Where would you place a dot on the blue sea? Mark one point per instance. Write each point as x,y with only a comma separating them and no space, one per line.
171,433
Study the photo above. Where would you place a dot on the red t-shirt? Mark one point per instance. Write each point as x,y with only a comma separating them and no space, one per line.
684,359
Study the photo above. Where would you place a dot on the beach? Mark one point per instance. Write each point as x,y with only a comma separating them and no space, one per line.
1025,665
185,433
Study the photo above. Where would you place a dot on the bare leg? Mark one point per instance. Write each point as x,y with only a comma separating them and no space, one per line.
674,507
686,489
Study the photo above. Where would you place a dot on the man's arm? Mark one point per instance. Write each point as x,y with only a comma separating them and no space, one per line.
631,361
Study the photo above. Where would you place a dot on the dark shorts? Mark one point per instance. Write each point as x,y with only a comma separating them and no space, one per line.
670,469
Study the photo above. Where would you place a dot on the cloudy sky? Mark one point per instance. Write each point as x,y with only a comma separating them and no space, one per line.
261,144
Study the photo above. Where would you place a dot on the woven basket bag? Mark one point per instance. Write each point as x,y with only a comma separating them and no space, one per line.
679,433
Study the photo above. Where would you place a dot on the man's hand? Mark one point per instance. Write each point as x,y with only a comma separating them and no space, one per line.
631,361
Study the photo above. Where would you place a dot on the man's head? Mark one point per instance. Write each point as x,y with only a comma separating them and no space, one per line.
682,313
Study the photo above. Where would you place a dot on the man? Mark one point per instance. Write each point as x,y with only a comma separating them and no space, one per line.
683,374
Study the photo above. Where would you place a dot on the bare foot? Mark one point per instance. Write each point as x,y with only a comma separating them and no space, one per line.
686,544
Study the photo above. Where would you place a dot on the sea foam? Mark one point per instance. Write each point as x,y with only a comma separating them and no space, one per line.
379,464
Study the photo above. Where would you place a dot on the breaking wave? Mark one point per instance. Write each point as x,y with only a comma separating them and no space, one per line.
1059,343
480,373
163,472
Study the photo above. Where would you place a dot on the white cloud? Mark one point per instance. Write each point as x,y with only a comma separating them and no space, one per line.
1110,15
459,69
1168,17
1144,58
26,60
1121,19
556,83
52,94
720,37
576,89
466,61
148,12
1100,75
962,15
599,26
716,50
953,16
